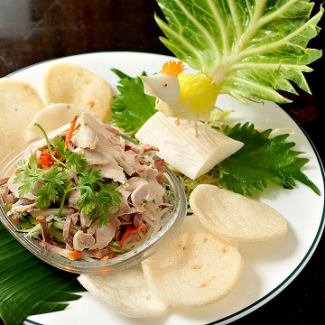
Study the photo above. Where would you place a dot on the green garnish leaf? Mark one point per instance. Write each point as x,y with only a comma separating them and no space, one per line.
261,160
249,49
75,161
131,108
106,198
28,175
97,203
22,278
59,145
51,181
53,186
89,177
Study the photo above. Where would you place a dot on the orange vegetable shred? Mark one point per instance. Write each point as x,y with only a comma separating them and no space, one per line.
74,255
130,230
45,160
15,220
69,135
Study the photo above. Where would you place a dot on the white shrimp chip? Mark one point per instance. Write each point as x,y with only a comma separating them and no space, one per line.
19,101
126,292
235,217
191,224
194,269
52,117
73,84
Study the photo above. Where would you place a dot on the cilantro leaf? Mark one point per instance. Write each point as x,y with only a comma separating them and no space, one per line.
89,177
53,186
59,144
86,201
96,197
131,108
261,159
28,175
106,198
52,181
75,161
98,203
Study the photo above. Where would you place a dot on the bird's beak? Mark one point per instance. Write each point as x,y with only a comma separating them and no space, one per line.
163,86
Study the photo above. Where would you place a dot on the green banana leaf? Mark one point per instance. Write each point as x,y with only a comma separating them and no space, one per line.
29,286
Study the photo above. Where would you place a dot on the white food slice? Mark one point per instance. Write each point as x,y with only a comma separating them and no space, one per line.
126,292
73,84
192,224
194,269
18,103
191,154
52,117
234,216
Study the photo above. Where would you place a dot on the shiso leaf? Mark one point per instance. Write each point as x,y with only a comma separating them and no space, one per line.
250,49
261,160
131,108
29,286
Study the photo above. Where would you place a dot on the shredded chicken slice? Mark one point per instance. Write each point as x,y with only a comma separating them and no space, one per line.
73,199
112,171
85,221
139,196
22,205
85,137
147,172
125,207
82,240
104,235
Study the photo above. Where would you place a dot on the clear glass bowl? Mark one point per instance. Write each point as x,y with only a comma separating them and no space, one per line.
170,223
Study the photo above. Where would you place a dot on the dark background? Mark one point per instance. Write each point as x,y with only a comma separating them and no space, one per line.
36,30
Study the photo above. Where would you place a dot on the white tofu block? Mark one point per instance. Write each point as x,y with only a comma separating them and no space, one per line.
191,154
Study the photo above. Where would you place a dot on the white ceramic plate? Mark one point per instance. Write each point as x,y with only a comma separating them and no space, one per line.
270,266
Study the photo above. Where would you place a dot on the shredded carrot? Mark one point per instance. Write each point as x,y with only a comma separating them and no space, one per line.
40,218
74,255
15,220
173,67
69,135
45,160
104,258
130,230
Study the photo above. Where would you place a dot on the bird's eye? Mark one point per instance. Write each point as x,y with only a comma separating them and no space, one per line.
164,85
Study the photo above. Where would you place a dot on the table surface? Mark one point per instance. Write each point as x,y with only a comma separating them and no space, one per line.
36,30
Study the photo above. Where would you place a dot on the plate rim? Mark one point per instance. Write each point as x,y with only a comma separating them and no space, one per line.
297,270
